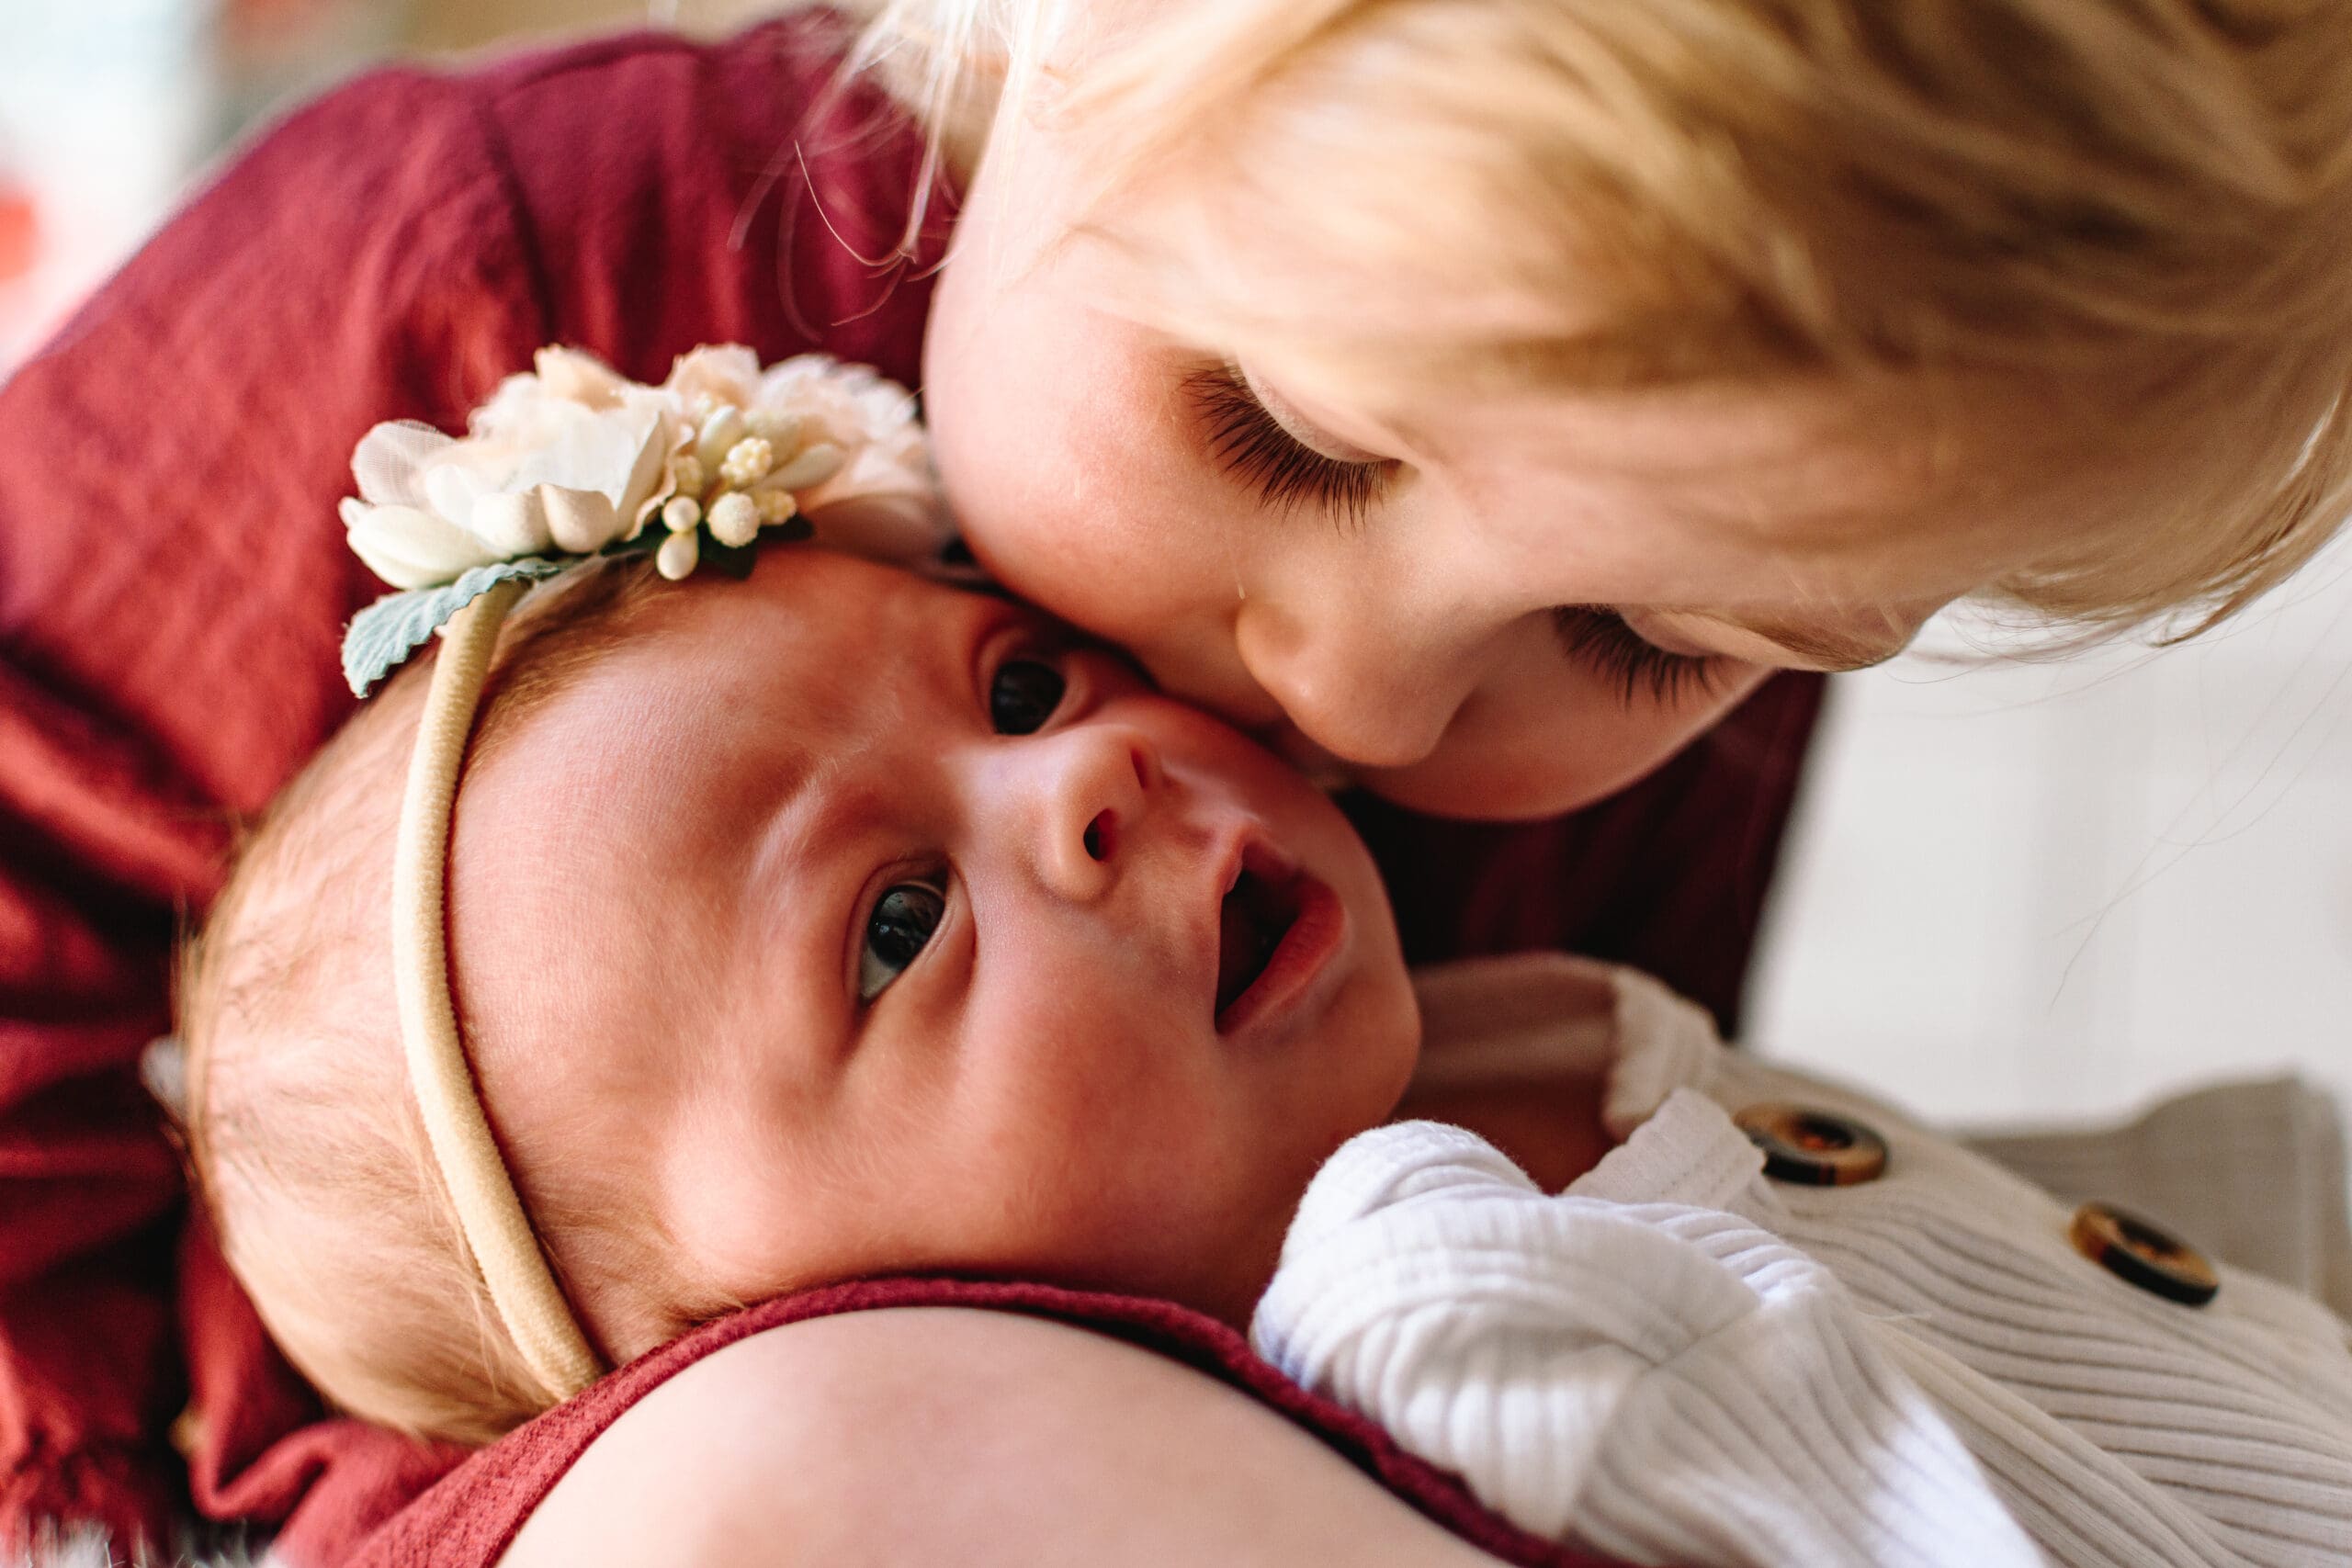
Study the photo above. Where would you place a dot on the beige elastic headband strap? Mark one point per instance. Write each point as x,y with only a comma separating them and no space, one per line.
497,1230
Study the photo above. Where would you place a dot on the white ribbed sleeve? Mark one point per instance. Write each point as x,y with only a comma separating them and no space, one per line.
1663,1381
1678,1361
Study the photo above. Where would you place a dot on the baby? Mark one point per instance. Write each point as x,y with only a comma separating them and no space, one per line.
831,923
841,922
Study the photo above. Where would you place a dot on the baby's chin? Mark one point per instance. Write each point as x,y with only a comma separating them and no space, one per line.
1228,1286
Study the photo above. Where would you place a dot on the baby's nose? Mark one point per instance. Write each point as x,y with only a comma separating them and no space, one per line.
1096,784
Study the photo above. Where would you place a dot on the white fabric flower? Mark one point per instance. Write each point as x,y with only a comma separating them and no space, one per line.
537,473
581,377
881,498
571,457
843,441
734,519
727,375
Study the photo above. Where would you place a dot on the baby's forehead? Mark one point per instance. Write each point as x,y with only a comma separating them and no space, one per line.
719,688
599,847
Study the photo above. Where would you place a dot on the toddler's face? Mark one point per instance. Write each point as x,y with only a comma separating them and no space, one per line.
1502,606
861,925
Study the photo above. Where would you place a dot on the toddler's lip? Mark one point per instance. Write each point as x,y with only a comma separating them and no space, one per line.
1276,927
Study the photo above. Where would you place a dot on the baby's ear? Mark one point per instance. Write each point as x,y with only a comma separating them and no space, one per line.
163,1068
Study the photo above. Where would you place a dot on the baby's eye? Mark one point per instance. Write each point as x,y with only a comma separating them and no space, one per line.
902,921
1023,694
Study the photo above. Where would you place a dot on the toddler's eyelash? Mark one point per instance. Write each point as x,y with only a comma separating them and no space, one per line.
1599,637
1256,450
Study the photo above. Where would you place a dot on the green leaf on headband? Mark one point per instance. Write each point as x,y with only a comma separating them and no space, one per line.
735,560
728,560
382,636
649,539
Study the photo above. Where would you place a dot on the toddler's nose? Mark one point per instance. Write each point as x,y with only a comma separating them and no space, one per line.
1359,686
1095,785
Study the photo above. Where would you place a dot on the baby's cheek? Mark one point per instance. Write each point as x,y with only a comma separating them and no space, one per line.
1105,1189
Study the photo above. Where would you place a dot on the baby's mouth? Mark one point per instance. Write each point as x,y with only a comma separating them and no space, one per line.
1258,911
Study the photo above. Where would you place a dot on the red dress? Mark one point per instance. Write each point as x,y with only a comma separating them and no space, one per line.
473,1514
174,582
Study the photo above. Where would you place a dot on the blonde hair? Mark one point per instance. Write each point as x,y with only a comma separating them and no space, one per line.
304,1138
2139,206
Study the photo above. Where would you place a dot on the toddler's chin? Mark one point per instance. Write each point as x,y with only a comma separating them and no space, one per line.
1442,786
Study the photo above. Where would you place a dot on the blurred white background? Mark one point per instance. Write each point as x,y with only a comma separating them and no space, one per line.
110,109
2052,890
2015,891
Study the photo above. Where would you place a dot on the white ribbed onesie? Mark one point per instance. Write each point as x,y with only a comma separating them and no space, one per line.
1680,1360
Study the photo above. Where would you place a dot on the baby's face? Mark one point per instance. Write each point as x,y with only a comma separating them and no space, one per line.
862,925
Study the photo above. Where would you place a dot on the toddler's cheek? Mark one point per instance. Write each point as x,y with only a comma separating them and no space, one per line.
1090,573
1110,530
1553,746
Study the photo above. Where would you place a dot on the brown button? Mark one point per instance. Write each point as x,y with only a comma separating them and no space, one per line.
1813,1147
2148,1255
187,1432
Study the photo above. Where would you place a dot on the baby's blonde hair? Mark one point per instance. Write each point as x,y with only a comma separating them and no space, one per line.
2141,206
304,1138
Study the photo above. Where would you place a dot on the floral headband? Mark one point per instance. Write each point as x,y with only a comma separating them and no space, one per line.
564,463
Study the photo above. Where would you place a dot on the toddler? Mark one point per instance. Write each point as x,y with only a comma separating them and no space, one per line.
1492,419
841,922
